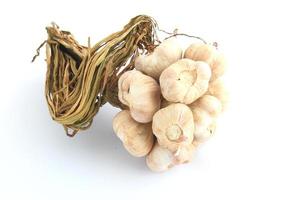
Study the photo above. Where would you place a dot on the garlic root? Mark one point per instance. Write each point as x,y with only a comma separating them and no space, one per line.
173,126
185,81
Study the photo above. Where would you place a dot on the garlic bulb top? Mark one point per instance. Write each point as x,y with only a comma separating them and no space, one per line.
209,54
173,126
137,138
185,81
168,52
140,93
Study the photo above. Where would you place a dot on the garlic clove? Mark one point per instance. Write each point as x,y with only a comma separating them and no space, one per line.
173,126
218,89
160,159
185,81
140,93
208,103
168,52
137,138
209,54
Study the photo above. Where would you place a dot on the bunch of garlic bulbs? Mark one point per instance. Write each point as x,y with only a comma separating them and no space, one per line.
173,102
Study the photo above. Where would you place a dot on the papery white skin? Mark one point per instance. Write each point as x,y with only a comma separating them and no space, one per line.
160,159
168,52
173,126
140,93
184,154
203,134
203,124
205,112
185,81
137,138
209,54
217,89
208,103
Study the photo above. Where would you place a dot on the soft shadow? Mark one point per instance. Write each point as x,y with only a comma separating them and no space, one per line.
95,149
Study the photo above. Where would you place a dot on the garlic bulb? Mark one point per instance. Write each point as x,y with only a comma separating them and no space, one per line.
137,138
182,97
208,103
160,159
202,134
184,154
204,124
163,56
140,93
217,89
173,126
185,81
209,54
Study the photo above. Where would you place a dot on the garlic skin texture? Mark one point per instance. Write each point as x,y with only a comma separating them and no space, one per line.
185,81
173,126
137,138
168,52
160,159
204,125
218,90
184,154
209,54
205,111
173,102
208,103
140,93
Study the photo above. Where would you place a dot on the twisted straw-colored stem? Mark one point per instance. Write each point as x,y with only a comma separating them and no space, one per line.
81,79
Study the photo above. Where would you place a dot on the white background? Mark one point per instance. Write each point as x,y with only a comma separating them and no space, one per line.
252,156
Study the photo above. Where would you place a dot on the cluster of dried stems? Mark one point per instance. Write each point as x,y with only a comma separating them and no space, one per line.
81,79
